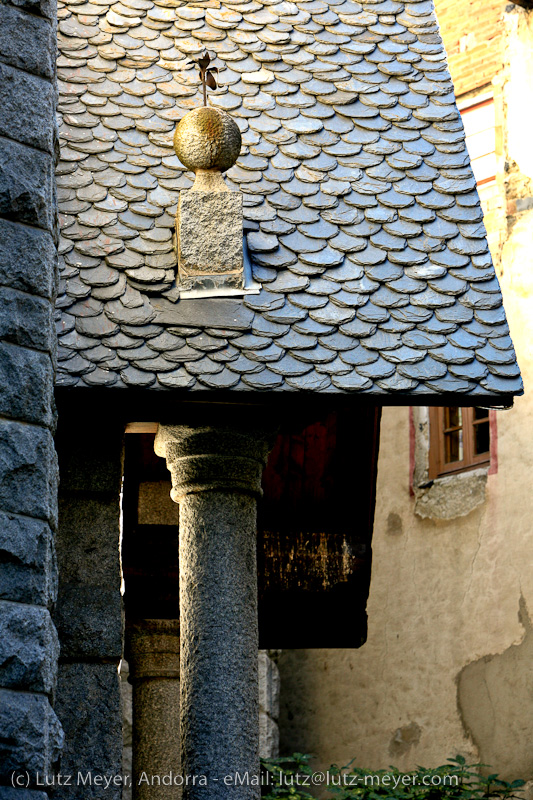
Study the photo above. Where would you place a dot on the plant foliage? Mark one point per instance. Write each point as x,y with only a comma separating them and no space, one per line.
292,778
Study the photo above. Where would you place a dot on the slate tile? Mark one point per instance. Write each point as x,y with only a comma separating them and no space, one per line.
502,342
411,314
225,379
423,340
312,382
450,354
503,385
480,300
263,327
405,355
308,301
351,382
491,355
458,314
379,369
312,327
426,370
448,285
505,370
263,380
288,365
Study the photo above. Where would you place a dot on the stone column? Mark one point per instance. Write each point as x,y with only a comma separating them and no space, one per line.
216,478
88,614
153,653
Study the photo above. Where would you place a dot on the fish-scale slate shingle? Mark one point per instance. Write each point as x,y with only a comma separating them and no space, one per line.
363,221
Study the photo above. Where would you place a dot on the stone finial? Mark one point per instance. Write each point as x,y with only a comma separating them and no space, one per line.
208,142
209,219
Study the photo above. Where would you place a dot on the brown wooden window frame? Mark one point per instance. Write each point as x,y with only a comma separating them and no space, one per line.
438,467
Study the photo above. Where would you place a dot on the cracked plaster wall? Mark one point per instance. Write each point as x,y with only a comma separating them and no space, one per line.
493,693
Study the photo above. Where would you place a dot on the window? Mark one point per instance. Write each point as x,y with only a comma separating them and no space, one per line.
482,123
459,440
480,131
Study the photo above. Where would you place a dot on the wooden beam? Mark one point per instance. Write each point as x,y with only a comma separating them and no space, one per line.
142,427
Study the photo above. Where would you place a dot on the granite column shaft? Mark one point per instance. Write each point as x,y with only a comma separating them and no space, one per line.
216,478
152,648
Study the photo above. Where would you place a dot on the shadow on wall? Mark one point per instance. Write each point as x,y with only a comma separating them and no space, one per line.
494,700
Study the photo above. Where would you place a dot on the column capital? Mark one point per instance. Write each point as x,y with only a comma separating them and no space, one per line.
227,457
153,649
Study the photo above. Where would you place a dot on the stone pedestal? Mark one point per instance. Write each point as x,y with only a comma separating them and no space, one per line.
209,233
216,478
152,650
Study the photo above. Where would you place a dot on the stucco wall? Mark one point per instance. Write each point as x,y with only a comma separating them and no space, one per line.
448,665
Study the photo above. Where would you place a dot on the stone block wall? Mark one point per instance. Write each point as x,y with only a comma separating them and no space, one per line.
268,703
126,696
31,737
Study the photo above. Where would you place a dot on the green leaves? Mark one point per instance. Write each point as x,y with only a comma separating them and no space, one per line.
287,778
292,778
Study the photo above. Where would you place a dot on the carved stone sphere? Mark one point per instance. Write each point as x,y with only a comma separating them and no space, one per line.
207,138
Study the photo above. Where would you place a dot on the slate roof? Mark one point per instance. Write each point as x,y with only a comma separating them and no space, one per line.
365,227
